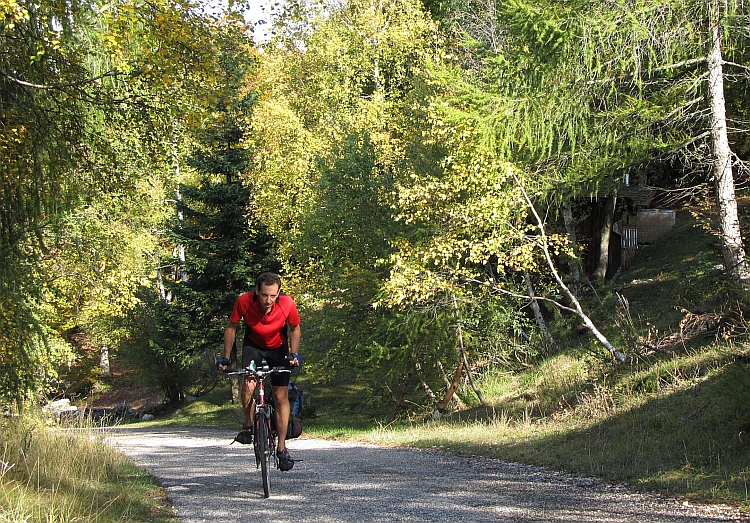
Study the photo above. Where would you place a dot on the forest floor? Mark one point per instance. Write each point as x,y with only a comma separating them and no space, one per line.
124,387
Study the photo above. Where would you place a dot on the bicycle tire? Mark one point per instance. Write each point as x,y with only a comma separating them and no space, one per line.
262,449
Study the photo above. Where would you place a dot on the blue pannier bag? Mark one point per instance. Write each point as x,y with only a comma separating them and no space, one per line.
296,398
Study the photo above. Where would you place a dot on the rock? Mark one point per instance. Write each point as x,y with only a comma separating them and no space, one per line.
58,404
61,408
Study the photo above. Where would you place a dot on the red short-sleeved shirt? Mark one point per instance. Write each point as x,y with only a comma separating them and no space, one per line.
265,332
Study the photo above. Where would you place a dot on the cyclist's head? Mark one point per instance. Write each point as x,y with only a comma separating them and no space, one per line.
268,278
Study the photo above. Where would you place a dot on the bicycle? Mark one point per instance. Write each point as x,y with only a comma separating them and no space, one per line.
264,423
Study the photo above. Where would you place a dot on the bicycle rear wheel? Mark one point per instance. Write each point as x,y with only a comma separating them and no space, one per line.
263,452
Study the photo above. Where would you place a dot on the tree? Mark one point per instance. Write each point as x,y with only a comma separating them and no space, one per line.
603,113
83,119
327,139
224,242
543,94
330,145
53,157
733,248
471,234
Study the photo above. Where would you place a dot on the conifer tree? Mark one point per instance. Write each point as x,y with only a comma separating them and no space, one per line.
225,245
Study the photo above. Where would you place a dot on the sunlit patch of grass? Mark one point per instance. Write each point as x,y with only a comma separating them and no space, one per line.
679,426
50,474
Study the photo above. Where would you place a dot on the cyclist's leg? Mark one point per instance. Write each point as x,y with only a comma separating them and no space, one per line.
248,403
280,383
249,354
280,386
283,411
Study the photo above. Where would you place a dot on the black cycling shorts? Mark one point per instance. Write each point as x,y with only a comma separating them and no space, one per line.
274,358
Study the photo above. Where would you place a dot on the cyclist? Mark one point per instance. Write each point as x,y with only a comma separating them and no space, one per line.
272,332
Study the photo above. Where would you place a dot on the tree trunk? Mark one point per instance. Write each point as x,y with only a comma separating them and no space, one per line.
732,246
459,403
609,216
573,263
104,362
236,386
549,341
544,245
401,397
463,354
181,248
453,388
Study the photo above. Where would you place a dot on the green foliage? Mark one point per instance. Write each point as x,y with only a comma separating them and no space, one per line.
48,98
328,142
217,244
414,349
573,101
225,245
92,98
18,349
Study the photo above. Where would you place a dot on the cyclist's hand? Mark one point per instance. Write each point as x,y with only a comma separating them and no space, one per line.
295,360
222,365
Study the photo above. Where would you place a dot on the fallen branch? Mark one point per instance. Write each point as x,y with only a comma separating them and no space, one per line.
543,244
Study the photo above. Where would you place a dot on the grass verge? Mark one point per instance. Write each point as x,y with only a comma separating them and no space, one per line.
50,474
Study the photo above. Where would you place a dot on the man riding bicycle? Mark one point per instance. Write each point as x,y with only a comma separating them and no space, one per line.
272,332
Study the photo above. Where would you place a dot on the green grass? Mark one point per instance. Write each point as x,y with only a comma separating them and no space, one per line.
54,474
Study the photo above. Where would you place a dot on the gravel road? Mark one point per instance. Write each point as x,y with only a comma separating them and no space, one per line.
208,479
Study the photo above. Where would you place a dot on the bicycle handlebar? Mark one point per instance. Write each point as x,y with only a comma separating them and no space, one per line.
258,373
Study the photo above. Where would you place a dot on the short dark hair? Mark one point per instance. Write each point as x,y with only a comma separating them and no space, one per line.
268,278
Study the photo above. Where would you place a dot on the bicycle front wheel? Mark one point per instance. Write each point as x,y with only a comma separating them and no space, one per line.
263,452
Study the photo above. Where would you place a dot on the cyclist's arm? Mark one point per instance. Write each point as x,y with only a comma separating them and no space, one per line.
295,334
229,334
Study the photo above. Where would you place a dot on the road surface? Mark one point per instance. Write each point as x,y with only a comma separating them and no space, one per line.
209,480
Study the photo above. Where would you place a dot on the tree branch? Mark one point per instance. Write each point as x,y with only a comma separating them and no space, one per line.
81,83
551,265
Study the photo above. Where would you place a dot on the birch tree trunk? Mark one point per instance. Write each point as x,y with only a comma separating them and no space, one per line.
550,342
104,362
576,305
732,245
609,216
463,353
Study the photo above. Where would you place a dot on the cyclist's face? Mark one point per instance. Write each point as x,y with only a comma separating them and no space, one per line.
267,295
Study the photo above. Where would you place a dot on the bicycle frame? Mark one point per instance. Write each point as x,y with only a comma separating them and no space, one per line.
264,431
